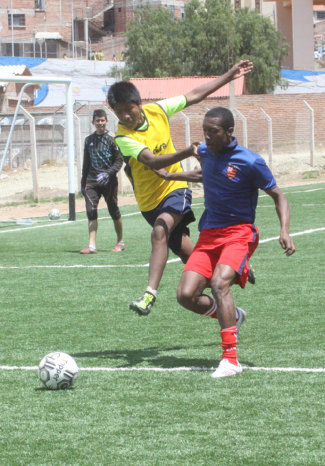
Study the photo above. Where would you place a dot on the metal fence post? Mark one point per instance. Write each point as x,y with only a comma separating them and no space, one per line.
31,120
187,161
269,136
244,121
312,134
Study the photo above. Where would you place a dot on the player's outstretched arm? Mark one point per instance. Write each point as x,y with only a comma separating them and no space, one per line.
201,92
192,175
164,160
283,211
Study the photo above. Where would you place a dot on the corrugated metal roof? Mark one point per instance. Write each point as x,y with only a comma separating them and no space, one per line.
162,88
13,70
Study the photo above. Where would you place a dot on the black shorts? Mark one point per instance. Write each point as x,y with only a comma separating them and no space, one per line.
109,192
177,202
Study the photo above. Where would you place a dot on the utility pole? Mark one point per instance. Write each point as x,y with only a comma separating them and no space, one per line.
12,31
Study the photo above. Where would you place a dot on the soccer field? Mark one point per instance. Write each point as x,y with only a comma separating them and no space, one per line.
144,395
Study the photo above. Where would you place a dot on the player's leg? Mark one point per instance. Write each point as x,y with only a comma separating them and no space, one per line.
163,226
180,242
190,292
110,195
92,196
165,219
238,244
223,278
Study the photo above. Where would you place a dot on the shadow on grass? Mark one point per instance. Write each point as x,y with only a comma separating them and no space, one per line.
152,357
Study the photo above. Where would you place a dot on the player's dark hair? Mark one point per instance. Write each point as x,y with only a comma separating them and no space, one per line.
123,92
225,115
99,113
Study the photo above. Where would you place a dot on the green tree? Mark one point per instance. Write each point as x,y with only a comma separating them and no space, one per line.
153,48
210,39
206,42
264,46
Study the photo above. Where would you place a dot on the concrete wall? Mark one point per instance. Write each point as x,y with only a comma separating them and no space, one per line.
295,22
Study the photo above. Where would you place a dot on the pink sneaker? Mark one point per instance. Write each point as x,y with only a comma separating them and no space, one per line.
88,250
120,246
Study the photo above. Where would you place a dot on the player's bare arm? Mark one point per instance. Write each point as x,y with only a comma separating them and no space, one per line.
194,176
200,92
283,211
164,160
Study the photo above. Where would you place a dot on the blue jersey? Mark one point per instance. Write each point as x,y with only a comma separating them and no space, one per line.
231,180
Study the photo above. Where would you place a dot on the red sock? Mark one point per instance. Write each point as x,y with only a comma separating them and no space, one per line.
229,344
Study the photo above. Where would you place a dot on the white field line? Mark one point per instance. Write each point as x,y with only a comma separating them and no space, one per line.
130,266
171,369
68,222
298,233
131,214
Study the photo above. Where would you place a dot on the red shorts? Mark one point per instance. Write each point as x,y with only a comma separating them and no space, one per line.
231,246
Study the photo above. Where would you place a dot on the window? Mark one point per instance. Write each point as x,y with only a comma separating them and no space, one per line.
40,4
258,6
12,51
320,15
17,20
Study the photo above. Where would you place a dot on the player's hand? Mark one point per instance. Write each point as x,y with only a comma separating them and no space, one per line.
287,244
102,178
241,68
161,172
193,148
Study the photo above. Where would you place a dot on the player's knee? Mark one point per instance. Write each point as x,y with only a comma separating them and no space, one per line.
220,286
92,214
185,296
159,234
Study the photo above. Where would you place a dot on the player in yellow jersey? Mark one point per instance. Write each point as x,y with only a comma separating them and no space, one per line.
143,136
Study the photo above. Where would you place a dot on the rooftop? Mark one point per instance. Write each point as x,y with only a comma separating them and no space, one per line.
163,88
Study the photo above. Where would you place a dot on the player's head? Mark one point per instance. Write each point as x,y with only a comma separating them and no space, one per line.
218,127
100,120
123,92
99,113
124,98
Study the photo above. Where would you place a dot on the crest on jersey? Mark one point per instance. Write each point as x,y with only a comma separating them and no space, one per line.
232,172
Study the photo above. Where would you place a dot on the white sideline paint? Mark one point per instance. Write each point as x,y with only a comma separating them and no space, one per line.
67,222
197,204
298,233
132,266
171,369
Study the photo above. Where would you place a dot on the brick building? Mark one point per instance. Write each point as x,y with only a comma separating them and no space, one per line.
72,28
77,28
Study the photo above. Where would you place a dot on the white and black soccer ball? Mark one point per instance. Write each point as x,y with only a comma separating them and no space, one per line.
58,371
54,214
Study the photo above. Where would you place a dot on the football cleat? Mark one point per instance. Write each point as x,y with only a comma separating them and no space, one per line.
120,246
241,317
88,250
226,369
251,275
143,305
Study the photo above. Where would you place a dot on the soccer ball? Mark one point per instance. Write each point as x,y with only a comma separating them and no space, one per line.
54,214
58,371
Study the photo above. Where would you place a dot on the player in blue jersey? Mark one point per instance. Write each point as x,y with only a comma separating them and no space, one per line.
143,136
231,176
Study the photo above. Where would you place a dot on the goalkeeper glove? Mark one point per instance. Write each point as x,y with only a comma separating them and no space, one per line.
102,178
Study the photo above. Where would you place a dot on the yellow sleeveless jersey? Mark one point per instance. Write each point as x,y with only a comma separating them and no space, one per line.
149,189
